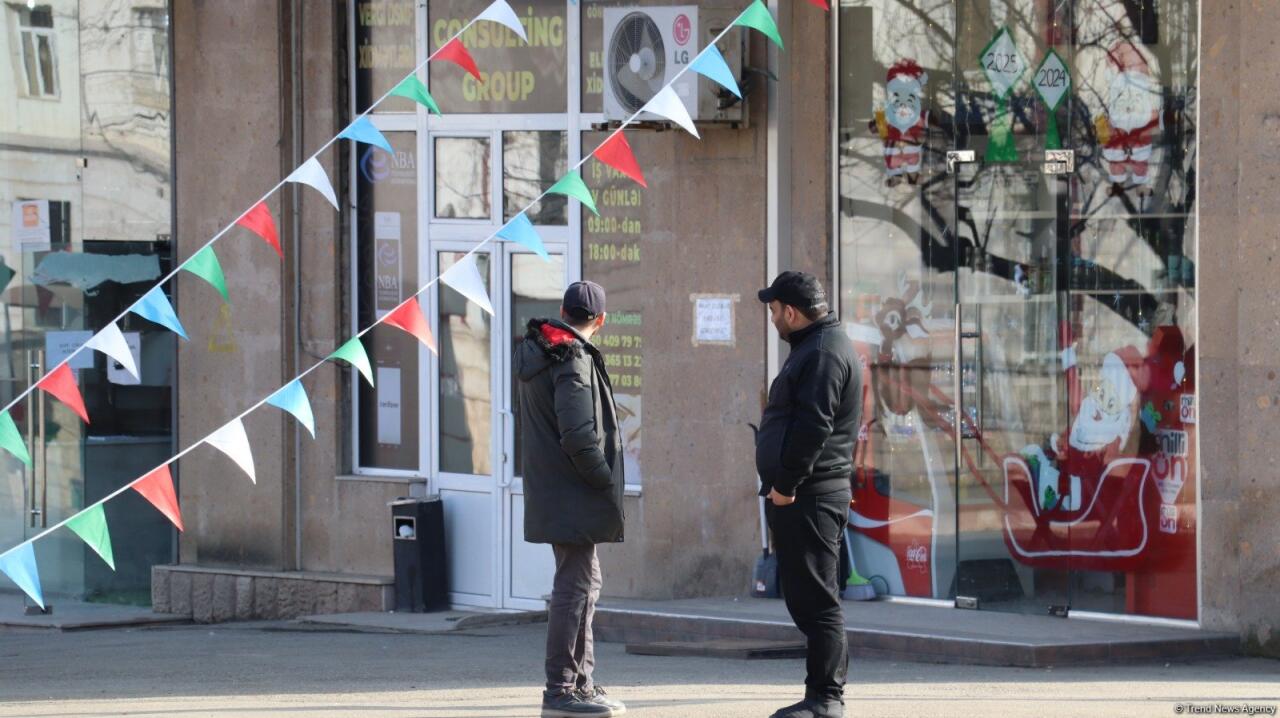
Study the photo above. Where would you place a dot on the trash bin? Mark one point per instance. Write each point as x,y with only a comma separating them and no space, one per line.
417,526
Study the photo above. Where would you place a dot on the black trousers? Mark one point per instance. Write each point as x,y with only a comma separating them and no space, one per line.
571,654
807,537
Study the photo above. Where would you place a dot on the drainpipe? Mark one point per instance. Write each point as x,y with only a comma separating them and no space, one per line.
778,221
295,86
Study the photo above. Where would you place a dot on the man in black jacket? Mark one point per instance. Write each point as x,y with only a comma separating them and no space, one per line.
804,455
573,483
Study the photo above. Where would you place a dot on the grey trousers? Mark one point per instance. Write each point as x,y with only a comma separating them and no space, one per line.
570,650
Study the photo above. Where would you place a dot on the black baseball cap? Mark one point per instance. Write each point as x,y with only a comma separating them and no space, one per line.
583,300
798,289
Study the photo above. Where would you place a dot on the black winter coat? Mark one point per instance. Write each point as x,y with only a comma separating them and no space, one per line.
806,438
572,449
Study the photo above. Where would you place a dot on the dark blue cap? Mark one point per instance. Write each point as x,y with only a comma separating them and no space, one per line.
584,300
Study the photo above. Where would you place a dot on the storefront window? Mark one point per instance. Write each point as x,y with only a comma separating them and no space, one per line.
1053,464
466,392
532,161
516,77
387,239
385,51
462,178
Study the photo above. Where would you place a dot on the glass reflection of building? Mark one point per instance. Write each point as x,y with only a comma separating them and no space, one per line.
1027,328
85,180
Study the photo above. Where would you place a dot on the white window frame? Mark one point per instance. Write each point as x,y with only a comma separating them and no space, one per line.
435,235
35,34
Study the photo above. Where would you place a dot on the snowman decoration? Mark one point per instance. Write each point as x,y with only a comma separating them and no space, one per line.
903,122
1132,118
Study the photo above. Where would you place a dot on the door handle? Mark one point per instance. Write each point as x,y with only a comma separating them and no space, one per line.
1059,162
506,472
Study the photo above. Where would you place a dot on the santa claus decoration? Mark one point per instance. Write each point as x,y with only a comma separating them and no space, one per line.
1132,118
903,121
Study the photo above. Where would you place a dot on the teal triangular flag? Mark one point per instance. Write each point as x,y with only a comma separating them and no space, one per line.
571,185
412,88
757,16
11,439
292,397
155,307
362,130
354,354
19,564
91,525
710,64
520,230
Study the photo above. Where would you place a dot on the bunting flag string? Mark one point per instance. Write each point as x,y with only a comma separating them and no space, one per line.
205,265
157,487
111,342
154,306
464,278
258,220
19,564
616,152
758,17
711,65
91,526
292,397
410,318
354,354
61,384
234,442
362,130
669,105
571,185
520,230
11,439
454,51
312,174
412,88
501,13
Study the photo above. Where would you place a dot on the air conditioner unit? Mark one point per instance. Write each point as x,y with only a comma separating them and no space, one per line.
645,47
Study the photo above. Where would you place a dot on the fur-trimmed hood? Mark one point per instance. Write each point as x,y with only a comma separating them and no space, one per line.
546,342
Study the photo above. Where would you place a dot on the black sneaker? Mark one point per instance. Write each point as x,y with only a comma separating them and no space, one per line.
809,708
600,697
571,704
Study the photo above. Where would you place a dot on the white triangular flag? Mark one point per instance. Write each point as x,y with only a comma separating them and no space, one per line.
311,173
232,441
465,279
501,13
111,342
669,105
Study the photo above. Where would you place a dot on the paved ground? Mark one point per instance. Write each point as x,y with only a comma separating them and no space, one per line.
260,670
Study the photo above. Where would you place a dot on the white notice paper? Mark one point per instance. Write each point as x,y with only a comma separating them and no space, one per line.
116,373
713,320
388,405
59,345
31,226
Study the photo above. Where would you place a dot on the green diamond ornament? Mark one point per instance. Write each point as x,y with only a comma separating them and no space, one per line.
1052,83
1003,66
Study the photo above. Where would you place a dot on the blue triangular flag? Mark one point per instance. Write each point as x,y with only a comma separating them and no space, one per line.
362,130
710,64
155,306
292,397
19,564
520,230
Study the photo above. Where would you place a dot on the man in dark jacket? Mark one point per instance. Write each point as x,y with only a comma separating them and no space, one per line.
804,456
573,483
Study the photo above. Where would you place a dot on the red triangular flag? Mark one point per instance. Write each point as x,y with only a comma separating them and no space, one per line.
157,486
820,3
616,152
258,220
408,316
454,51
61,383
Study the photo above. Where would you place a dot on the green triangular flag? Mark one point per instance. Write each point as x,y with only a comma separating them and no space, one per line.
206,266
758,16
11,439
412,88
571,185
91,525
353,353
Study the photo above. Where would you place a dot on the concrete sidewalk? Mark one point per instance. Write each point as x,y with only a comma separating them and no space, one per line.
80,616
